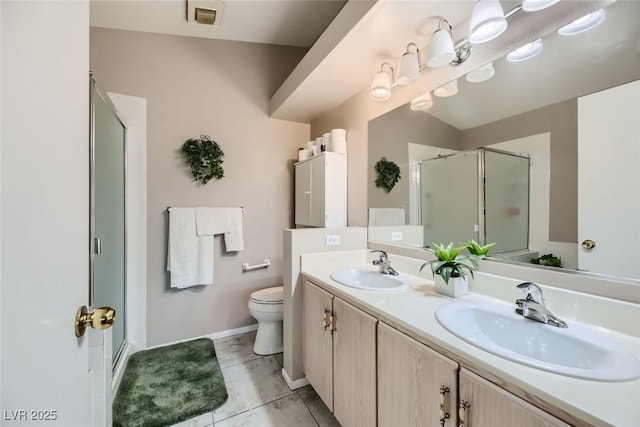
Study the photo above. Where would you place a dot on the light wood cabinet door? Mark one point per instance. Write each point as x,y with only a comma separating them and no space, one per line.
354,366
410,376
489,405
318,346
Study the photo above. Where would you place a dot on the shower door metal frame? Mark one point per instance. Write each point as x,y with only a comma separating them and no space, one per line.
94,90
482,214
482,182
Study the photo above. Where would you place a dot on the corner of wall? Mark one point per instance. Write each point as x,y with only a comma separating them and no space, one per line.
298,242
133,111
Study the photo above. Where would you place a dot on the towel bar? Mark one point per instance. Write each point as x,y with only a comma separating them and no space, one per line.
241,207
246,267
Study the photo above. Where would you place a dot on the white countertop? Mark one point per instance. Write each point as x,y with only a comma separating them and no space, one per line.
412,311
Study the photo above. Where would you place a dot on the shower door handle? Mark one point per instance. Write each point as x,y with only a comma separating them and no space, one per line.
97,246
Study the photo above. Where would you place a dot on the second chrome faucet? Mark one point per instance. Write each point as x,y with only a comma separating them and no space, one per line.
383,263
532,306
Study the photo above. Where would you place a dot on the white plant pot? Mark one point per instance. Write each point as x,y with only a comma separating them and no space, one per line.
457,286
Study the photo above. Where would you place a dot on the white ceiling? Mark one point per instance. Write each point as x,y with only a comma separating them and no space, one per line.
282,22
348,40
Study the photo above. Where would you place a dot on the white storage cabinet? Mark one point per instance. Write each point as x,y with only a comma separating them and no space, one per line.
321,191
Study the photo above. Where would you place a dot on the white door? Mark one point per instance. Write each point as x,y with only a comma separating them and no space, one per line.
609,199
44,200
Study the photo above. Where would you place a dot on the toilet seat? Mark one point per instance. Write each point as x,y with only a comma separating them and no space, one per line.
268,296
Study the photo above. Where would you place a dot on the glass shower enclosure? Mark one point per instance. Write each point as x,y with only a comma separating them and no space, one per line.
108,231
479,194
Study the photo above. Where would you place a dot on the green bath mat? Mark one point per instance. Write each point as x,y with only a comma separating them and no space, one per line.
168,385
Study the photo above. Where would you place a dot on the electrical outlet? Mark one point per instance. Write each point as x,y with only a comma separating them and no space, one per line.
332,240
396,236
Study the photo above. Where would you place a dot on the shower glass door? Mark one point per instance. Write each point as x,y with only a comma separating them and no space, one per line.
449,198
506,193
108,214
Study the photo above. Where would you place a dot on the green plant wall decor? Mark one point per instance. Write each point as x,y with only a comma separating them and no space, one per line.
388,174
204,157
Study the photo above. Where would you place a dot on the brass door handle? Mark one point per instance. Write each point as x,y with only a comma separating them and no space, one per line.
588,244
100,318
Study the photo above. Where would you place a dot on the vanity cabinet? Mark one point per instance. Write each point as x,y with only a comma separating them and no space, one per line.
321,191
413,382
482,403
340,356
371,374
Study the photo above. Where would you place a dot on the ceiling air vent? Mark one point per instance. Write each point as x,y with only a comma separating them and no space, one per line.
206,12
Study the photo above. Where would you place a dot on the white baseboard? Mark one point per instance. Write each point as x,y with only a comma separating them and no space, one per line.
231,332
293,385
117,373
213,336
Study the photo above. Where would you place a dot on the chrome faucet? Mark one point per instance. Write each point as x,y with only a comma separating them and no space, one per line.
532,306
384,264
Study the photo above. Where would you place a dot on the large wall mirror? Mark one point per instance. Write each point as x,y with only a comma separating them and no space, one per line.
542,158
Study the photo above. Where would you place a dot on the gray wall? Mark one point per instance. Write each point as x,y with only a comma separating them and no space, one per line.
561,121
389,136
199,86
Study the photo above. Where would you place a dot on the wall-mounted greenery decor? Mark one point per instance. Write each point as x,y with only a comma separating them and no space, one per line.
388,174
204,157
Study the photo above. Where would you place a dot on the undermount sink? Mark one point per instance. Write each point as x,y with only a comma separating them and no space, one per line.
575,351
370,280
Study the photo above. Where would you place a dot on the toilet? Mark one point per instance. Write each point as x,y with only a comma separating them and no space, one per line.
265,306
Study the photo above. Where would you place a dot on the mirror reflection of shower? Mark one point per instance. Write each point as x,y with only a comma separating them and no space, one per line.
479,194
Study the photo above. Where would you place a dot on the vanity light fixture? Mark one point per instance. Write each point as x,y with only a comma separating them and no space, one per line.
422,102
481,74
381,85
525,52
536,5
583,24
487,21
409,68
441,50
447,89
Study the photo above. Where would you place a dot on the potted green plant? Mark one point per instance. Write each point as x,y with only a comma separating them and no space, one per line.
449,268
549,260
475,249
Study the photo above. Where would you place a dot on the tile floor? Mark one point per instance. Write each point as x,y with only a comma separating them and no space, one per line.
258,395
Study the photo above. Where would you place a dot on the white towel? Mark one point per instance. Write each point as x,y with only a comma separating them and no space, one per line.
189,257
386,216
227,221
